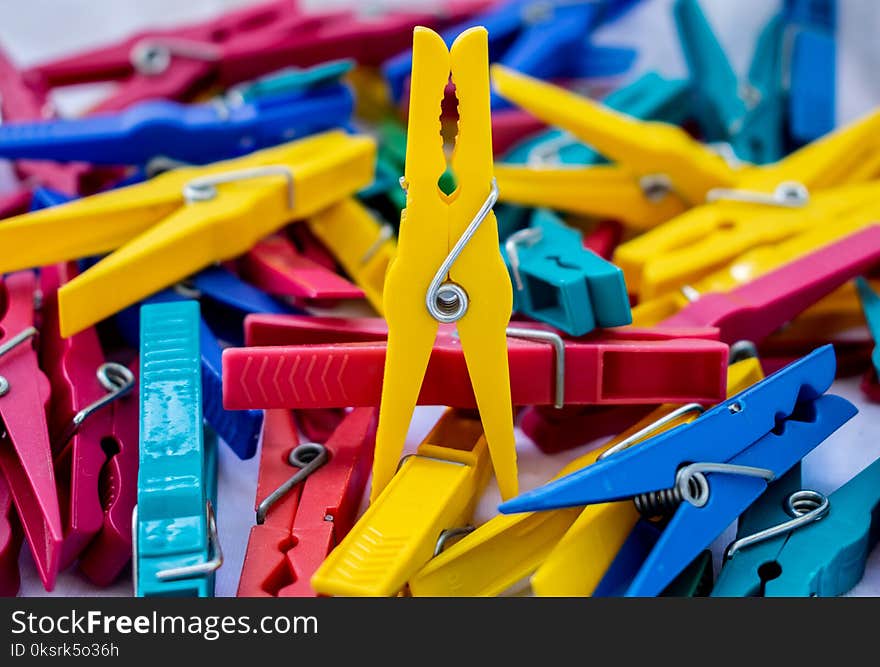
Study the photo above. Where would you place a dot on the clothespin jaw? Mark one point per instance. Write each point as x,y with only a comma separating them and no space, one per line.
26,451
303,523
391,541
559,282
786,417
455,235
92,417
180,222
174,527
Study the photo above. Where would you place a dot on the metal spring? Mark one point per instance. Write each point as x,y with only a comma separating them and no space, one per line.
662,503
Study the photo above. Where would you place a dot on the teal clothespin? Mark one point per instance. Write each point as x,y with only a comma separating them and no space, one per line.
290,80
871,307
823,557
558,281
749,115
650,97
176,550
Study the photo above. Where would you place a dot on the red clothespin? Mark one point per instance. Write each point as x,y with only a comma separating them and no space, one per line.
10,543
25,450
276,266
93,419
604,238
621,366
756,309
512,126
25,96
302,514
555,430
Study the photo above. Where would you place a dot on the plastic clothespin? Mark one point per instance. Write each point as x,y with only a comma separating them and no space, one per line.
430,497
182,221
756,309
812,57
660,169
307,500
796,542
176,547
193,134
299,364
275,266
290,81
709,471
15,203
870,302
649,97
26,454
11,538
544,39
447,259
92,416
681,258
241,45
748,115
362,245
508,549
558,281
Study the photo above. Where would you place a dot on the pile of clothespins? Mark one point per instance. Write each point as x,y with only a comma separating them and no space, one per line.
683,267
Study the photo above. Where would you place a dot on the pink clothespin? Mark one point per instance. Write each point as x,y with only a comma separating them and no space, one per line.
756,309
10,543
276,266
15,203
25,449
93,418
604,238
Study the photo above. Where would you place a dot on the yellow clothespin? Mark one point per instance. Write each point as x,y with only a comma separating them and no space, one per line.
434,491
359,242
701,241
663,161
510,547
448,266
181,221
835,224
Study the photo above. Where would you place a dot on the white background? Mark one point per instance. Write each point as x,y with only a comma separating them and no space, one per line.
39,30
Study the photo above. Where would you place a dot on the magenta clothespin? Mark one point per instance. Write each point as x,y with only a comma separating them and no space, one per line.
15,203
10,543
276,266
93,419
756,309
25,450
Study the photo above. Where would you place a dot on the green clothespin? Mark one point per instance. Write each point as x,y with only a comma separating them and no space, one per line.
290,80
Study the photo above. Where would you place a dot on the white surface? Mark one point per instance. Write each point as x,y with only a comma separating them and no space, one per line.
43,29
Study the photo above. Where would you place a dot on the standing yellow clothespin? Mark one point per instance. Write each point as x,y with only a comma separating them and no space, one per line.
448,266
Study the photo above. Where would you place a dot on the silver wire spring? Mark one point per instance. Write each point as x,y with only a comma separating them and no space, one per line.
660,504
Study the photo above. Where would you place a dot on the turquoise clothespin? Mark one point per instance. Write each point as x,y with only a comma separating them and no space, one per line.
558,281
825,556
176,550
290,80
749,115
871,307
650,97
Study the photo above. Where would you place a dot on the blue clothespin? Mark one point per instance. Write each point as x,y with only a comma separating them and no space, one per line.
649,97
43,197
545,39
707,472
176,549
747,114
558,281
812,79
225,301
694,581
196,134
817,548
